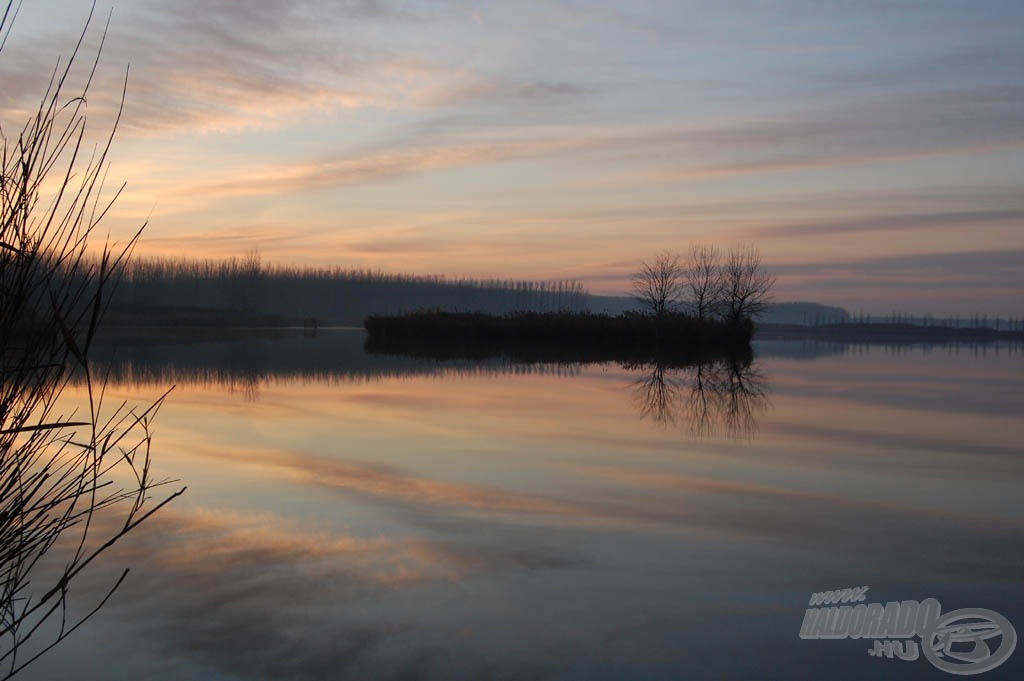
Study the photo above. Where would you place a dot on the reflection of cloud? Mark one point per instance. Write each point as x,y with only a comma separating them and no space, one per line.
256,596
384,482
800,519
251,596
876,532
890,441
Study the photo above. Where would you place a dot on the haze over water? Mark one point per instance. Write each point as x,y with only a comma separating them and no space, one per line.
353,516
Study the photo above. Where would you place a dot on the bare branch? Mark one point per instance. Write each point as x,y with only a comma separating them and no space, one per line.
747,287
703,279
658,286
58,474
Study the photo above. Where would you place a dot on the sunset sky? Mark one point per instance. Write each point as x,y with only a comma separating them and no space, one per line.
874,151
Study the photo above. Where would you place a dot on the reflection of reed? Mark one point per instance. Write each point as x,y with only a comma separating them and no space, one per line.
248,380
723,395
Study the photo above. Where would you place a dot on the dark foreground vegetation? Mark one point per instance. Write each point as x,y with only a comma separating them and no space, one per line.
71,486
674,339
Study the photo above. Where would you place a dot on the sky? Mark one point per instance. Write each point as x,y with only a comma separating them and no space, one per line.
873,151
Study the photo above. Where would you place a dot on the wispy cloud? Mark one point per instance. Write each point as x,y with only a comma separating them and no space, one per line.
950,267
962,282
346,170
897,130
897,222
597,133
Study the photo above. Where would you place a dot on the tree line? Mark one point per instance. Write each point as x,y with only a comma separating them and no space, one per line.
332,294
709,284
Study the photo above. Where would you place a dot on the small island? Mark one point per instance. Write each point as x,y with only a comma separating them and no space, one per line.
689,311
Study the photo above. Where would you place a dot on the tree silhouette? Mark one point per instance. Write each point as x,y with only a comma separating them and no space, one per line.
734,288
703,279
659,285
746,286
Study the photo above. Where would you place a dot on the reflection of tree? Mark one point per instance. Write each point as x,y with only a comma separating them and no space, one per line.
657,395
721,395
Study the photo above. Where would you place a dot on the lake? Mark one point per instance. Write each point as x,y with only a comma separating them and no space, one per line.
354,516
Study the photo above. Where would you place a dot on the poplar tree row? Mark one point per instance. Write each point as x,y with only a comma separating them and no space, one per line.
330,293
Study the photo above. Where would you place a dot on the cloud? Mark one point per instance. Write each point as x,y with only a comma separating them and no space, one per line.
989,63
911,125
346,170
946,267
204,67
509,92
896,222
580,132
947,282
917,126
222,65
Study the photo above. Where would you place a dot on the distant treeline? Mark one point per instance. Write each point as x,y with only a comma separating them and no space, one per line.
327,294
976,320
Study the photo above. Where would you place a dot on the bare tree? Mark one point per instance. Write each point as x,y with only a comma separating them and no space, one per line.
746,286
703,280
659,286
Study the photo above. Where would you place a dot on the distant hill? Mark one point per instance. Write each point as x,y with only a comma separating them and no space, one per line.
805,313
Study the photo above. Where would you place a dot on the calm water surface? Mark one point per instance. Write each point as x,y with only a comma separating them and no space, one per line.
358,517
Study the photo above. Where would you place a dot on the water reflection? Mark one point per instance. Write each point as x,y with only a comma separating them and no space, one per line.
719,396
240,363
723,396
391,518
